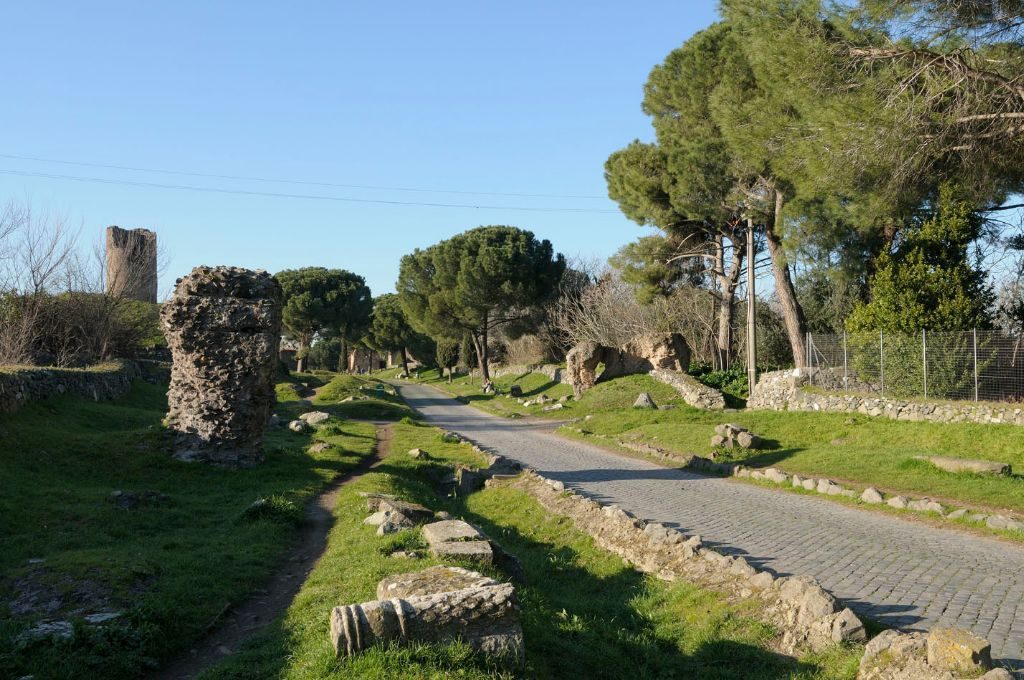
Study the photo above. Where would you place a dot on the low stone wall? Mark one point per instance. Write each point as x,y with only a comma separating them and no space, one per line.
20,386
553,371
785,390
694,392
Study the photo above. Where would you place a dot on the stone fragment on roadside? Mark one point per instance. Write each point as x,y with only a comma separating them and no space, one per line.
731,435
413,511
848,628
810,484
925,505
437,579
898,502
961,465
417,454
872,496
958,651
486,618
777,476
644,401
457,539
319,447
958,514
450,438
1004,523
299,426
554,407
315,417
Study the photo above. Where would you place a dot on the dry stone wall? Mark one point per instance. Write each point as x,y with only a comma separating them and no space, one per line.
223,326
786,390
22,386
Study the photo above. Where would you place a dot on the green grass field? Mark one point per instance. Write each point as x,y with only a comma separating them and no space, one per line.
857,449
585,614
171,567
369,398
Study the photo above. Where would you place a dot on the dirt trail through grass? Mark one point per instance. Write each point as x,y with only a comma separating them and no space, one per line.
237,624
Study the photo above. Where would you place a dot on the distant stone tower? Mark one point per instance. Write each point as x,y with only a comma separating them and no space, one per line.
131,263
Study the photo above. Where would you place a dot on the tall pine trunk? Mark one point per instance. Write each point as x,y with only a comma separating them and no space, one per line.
792,312
729,281
405,362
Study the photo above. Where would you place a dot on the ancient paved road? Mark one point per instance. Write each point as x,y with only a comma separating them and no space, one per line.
902,574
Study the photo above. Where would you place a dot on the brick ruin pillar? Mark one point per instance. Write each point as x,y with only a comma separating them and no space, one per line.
223,326
131,263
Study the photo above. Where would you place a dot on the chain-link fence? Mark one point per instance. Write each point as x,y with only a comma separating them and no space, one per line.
961,365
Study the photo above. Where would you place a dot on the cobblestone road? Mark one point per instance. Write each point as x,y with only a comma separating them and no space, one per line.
899,573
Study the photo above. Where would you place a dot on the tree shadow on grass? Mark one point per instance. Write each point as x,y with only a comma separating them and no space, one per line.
581,624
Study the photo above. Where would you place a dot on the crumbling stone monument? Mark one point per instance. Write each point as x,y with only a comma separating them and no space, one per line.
643,354
223,327
131,264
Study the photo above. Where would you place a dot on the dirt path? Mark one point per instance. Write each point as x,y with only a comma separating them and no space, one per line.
236,624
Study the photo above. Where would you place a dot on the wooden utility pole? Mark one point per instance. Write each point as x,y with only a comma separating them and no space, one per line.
751,309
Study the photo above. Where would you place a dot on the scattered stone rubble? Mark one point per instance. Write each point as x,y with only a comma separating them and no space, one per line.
808,617
663,356
315,417
730,435
455,538
943,654
391,514
485,616
223,327
644,401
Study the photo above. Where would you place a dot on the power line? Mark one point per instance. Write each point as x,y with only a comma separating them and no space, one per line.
293,181
316,197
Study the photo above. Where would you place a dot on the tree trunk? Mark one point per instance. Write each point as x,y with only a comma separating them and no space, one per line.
405,362
300,356
728,282
480,343
792,312
343,366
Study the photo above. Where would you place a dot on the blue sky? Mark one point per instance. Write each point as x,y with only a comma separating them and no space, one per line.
523,97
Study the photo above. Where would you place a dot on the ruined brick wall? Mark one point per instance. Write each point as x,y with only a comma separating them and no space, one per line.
131,263
223,326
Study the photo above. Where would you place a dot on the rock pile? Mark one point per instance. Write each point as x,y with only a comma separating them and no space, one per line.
440,604
730,435
943,654
391,514
223,327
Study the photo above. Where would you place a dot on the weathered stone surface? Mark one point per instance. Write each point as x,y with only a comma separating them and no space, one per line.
782,390
413,511
898,502
417,453
848,628
450,530
432,580
872,496
978,467
657,351
731,435
223,327
644,401
476,551
693,392
299,426
1001,522
25,385
956,650
394,523
581,365
315,417
53,630
487,618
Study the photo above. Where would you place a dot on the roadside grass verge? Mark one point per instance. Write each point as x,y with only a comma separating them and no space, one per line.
169,566
858,449
585,613
370,399
614,394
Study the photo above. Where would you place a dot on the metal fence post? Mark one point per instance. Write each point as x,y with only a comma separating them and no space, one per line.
881,362
975,333
846,376
924,354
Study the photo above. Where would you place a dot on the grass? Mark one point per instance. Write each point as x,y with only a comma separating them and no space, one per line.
371,399
585,614
857,449
171,566
617,394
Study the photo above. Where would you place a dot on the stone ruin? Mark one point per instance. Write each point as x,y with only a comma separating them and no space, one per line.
643,354
223,327
131,264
